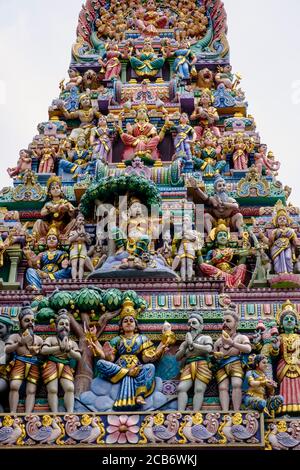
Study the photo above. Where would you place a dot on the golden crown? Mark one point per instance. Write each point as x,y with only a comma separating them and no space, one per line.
288,306
279,210
128,309
221,227
52,231
53,179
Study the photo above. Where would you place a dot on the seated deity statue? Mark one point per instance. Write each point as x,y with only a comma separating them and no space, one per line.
146,62
57,212
52,264
219,261
128,358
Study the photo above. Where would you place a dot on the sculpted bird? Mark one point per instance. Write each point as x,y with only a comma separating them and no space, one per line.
195,431
10,430
86,429
234,431
158,429
281,440
45,430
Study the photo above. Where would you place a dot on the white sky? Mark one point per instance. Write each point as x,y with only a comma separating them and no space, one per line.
35,44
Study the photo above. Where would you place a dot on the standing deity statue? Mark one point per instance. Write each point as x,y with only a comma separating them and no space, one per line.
283,241
46,156
184,61
110,62
128,359
189,247
194,352
219,206
100,140
25,347
79,240
287,349
206,114
58,368
58,212
240,146
185,137
259,389
228,351
6,325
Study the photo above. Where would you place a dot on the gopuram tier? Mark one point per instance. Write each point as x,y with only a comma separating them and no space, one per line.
149,257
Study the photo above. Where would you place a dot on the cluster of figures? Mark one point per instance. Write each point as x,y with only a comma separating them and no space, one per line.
200,148
128,359
149,19
72,252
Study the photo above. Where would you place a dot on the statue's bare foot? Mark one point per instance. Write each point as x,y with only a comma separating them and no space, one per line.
140,401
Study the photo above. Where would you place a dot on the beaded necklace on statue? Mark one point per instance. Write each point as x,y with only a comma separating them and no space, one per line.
129,342
288,341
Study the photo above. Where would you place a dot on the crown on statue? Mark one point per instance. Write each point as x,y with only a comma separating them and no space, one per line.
280,210
52,180
128,309
83,96
288,306
52,231
221,227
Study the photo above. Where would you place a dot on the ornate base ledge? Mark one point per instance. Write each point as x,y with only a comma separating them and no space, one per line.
208,429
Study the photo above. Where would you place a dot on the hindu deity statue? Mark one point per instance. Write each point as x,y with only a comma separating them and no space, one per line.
194,354
86,113
230,351
6,325
146,62
78,159
111,62
225,76
57,212
25,348
282,241
52,264
240,146
75,80
206,114
265,162
185,137
100,141
184,61
128,359
219,262
149,19
141,137
208,155
219,206
189,248
46,156
287,349
135,245
79,239
260,389
62,353
24,163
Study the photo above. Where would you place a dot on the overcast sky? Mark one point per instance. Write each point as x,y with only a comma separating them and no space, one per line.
35,44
